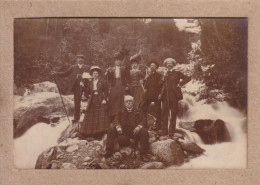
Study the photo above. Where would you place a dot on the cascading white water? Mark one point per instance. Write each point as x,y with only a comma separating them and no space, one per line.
34,141
221,155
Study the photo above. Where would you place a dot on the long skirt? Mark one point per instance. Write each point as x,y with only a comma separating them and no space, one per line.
136,92
96,118
116,97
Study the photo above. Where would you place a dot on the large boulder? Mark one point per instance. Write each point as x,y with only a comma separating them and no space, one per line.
168,151
44,87
39,107
210,131
71,154
70,132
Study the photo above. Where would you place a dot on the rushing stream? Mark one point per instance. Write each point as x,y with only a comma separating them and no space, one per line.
222,155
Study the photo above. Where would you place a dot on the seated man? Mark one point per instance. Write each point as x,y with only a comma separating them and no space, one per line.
128,125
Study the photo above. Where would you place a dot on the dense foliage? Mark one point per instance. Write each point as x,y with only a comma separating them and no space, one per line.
224,48
220,56
57,41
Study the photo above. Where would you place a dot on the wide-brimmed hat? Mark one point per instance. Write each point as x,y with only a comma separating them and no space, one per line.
80,55
169,60
135,58
86,75
95,68
154,62
118,55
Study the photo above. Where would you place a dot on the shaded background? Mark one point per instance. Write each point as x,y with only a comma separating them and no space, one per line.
222,48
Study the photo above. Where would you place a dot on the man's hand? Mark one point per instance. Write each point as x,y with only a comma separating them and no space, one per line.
104,102
127,88
119,130
78,76
53,72
137,129
160,97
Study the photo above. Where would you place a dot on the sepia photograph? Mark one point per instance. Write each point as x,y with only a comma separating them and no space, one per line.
130,93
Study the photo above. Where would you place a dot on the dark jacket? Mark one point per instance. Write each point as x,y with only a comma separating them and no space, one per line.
110,75
128,120
171,82
73,72
102,91
153,85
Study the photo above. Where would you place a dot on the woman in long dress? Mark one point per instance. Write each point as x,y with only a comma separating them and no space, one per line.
117,79
136,80
95,121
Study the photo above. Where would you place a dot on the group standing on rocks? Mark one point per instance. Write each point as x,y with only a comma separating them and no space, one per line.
119,100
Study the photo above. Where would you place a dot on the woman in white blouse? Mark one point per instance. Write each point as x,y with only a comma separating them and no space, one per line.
96,116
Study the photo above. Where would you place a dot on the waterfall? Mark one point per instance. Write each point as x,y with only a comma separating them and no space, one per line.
221,155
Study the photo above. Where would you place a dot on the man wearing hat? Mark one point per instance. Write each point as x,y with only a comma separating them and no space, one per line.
152,86
171,94
117,80
128,125
75,73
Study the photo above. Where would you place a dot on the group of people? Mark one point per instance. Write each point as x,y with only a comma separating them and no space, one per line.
119,99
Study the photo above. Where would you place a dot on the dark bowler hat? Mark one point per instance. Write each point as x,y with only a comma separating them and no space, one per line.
118,55
135,58
153,62
95,68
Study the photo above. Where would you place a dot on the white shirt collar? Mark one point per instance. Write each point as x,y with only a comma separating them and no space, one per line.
80,65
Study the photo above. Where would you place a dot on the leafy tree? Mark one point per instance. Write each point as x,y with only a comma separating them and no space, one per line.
224,47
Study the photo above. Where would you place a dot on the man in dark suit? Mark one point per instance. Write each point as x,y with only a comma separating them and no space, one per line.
152,89
171,94
75,72
128,125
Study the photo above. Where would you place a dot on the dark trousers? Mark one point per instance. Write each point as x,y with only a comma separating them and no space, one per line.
124,139
172,106
77,99
156,113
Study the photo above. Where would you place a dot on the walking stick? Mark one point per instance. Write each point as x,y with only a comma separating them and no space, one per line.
65,110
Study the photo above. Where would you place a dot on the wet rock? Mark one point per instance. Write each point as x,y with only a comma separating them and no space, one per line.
178,136
178,155
122,166
87,159
68,166
163,138
117,156
55,164
30,109
44,87
69,132
153,165
168,151
126,151
69,142
103,166
152,139
72,148
192,148
45,158
211,131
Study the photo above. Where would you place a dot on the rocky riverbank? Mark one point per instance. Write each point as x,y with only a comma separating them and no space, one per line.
88,154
